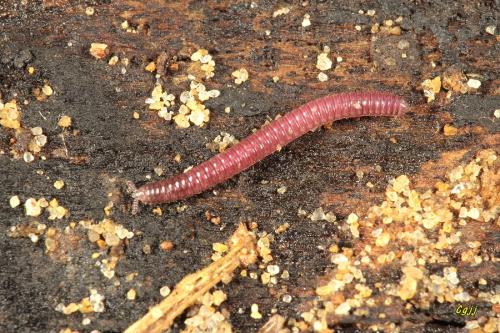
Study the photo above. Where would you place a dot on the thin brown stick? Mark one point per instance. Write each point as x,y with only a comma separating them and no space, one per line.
161,316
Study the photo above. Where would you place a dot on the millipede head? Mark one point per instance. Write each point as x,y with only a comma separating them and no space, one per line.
403,107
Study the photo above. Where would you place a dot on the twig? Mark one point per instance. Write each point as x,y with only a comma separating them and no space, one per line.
161,316
64,143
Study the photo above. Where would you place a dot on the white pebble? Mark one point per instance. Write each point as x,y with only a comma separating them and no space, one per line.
322,77
323,63
273,269
281,11
473,83
343,309
14,201
165,291
36,130
32,207
28,157
41,140
491,29
281,190
306,21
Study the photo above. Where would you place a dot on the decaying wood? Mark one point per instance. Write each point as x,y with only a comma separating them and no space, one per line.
342,169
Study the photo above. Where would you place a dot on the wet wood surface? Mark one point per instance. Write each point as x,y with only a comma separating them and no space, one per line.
105,146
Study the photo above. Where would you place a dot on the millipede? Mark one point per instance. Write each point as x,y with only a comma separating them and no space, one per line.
267,140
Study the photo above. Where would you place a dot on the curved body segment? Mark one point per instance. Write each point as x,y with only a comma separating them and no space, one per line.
267,140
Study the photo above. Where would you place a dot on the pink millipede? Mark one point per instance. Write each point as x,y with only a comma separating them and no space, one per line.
265,141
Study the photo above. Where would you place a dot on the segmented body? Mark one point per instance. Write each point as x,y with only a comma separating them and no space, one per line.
267,140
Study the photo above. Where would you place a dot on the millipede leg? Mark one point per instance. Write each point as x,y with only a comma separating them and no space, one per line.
133,189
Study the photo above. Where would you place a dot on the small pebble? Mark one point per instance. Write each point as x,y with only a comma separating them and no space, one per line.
99,50
281,11
32,207
151,67
383,239
322,77
165,291
306,21
36,131
240,75
14,201
166,245
473,83
113,61
323,63
491,29
388,23
59,184
64,122
255,314
28,157
47,90
273,269
40,140
343,309
431,88
281,190
131,294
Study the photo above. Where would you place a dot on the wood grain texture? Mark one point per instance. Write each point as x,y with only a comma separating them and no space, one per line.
106,146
